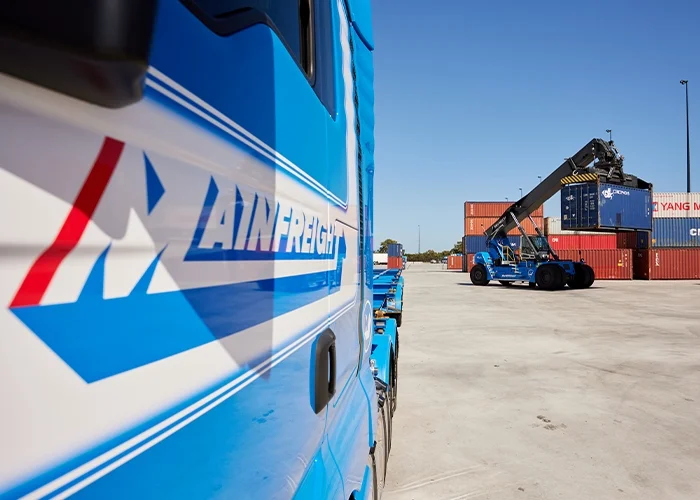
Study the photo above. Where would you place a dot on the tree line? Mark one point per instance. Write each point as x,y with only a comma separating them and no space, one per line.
426,256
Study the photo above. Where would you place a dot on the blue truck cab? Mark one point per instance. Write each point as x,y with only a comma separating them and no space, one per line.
188,309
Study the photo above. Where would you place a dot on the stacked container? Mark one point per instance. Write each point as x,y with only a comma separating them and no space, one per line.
395,259
454,262
672,249
599,250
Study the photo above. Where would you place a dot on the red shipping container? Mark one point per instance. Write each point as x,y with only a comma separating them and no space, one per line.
583,241
468,263
607,264
627,240
667,264
394,263
454,262
475,226
492,209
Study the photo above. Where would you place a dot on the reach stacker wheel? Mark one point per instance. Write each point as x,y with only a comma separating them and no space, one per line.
478,275
590,276
583,276
505,283
549,277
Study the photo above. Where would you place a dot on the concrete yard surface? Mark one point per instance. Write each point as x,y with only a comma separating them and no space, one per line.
517,393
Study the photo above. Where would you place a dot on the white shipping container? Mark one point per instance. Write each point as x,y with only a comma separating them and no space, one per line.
552,225
685,205
381,258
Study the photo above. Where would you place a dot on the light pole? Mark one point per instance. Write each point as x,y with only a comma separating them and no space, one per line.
521,192
539,179
687,131
506,198
418,238
609,131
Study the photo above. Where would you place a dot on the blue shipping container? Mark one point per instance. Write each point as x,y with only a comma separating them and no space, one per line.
474,244
676,232
394,250
605,206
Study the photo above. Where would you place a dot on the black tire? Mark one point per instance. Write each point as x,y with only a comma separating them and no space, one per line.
375,487
478,275
590,276
562,278
547,277
381,453
505,283
398,318
532,285
397,347
394,385
580,276
389,418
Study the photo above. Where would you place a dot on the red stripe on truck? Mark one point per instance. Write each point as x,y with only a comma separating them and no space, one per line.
39,277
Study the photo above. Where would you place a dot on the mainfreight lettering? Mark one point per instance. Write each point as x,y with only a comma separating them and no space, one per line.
256,226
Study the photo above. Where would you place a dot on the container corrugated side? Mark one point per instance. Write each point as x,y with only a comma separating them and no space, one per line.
468,262
473,244
394,249
492,209
607,264
633,240
684,205
605,206
475,226
395,262
454,262
583,241
677,232
667,264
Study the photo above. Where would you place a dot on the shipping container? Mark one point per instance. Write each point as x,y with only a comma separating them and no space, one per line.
454,262
552,225
677,232
667,264
607,264
633,240
492,209
474,244
394,249
475,226
676,205
583,241
468,262
395,262
605,206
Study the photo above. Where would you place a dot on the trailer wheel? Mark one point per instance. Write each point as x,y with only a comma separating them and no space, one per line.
478,275
381,451
372,463
505,283
547,277
394,385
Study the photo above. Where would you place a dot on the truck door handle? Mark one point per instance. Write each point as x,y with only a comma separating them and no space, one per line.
324,370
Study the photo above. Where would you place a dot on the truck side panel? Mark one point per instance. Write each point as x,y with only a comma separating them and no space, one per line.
178,260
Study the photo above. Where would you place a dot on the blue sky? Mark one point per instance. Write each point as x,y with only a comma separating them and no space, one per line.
476,99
